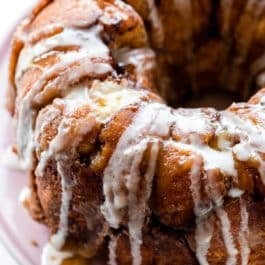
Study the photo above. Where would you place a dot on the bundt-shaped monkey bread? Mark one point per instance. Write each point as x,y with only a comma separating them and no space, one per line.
115,173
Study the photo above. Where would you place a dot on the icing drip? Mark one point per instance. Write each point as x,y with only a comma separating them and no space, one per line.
60,149
243,234
156,22
115,97
87,40
199,208
235,193
112,251
213,159
227,236
59,238
135,222
203,236
123,174
65,138
252,142
204,230
143,60
51,256
84,57
24,136
156,119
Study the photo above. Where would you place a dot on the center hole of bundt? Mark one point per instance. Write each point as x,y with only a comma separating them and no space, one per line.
218,98
214,98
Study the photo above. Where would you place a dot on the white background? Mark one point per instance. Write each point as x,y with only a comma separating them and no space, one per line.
10,12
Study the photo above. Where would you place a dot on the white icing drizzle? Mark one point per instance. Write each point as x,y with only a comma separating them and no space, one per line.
112,251
252,142
120,15
143,60
51,256
227,236
60,148
199,208
106,99
123,173
212,158
204,230
115,97
156,119
86,40
193,121
64,141
203,236
156,22
135,221
235,193
90,46
24,136
243,233
59,238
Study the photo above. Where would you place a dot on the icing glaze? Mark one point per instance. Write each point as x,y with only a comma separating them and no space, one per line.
235,193
51,256
143,60
128,155
112,251
203,236
243,233
227,236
